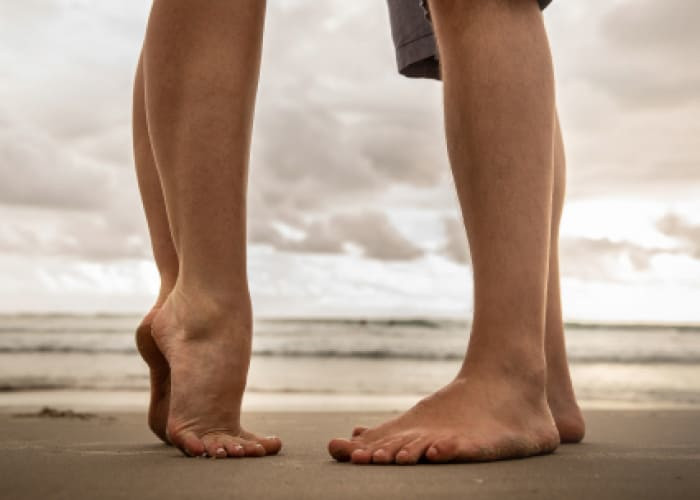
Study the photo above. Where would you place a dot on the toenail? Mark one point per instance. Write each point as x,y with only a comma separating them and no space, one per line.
220,452
379,453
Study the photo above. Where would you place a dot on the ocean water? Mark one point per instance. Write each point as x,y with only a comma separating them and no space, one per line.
353,364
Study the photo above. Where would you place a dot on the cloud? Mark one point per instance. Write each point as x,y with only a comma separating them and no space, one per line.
588,252
456,247
91,237
627,93
372,232
641,52
609,260
671,25
36,170
676,227
376,235
327,137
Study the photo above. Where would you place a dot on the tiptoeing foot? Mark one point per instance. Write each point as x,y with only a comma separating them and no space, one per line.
207,347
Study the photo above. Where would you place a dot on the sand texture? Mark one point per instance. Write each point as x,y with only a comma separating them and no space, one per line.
627,454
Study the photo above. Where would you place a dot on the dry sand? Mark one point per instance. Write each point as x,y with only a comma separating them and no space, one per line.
627,454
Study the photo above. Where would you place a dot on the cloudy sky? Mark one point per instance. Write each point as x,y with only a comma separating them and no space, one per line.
352,208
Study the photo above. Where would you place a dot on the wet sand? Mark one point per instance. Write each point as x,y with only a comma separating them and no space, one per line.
627,454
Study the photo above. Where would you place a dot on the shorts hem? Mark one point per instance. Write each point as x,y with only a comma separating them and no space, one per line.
418,58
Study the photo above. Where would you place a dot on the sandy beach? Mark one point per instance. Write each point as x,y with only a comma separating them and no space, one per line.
627,454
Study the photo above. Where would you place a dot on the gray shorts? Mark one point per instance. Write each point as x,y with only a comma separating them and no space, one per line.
414,39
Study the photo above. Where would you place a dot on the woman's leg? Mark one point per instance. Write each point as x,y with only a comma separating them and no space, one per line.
200,63
163,252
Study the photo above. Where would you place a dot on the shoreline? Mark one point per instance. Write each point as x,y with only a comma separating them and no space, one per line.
125,401
574,322
626,455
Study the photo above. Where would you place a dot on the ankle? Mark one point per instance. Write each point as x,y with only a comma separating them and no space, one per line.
165,290
529,382
520,369
201,313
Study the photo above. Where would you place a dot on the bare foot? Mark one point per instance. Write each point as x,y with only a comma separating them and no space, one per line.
208,350
160,375
560,390
474,418
565,409
562,404
567,417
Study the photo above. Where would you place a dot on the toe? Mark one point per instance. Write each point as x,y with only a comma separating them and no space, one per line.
234,448
271,444
358,430
386,451
411,452
341,449
188,443
381,456
442,450
361,456
214,446
253,449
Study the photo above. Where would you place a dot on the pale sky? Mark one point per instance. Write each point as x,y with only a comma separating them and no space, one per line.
352,209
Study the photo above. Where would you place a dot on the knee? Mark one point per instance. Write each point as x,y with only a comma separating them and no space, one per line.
459,25
456,12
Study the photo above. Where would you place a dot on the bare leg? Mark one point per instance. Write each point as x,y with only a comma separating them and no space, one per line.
560,392
163,253
500,122
200,65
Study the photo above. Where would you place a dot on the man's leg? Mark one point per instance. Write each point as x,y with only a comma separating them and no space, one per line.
200,63
500,122
560,391
163,252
